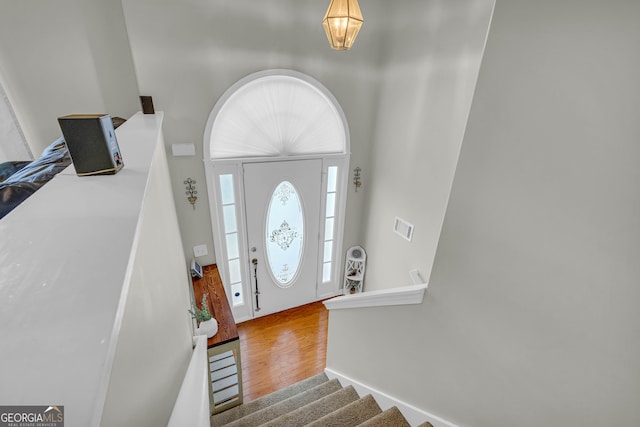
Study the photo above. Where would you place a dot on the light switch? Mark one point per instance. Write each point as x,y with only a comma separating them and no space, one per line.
200,250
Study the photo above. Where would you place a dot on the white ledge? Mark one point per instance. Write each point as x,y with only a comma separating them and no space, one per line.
395,296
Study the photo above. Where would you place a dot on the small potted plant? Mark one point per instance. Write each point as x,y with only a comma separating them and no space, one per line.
207,324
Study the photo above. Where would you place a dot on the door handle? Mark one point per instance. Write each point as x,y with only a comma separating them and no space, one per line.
255,276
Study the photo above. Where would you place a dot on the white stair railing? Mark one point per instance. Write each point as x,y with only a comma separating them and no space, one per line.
412,294
192,405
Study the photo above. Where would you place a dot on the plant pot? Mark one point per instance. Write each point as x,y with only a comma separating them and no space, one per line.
208,328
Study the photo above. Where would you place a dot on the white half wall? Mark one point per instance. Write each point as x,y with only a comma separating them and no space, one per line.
95,291
155,328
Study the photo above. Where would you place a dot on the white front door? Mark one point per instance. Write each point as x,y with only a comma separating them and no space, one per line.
282,202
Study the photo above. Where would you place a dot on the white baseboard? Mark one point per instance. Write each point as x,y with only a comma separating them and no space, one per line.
413,415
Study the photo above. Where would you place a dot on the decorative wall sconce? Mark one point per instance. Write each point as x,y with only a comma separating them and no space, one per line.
191,192
356,178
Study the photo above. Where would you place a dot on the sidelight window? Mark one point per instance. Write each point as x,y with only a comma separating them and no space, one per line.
227,197
329,223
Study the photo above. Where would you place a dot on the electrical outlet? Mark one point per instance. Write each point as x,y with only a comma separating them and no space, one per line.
200,250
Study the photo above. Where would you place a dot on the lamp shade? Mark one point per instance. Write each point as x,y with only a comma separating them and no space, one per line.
342,23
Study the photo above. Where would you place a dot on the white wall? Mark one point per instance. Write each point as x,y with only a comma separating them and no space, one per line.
155,333
64,57
429,74
188,53
13,146
531,314
405,89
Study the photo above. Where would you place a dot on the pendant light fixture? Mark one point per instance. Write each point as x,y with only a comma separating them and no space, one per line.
342,23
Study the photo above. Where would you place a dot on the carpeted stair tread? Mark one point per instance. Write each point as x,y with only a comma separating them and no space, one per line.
315,410
390,417
351,415
292,403
237,412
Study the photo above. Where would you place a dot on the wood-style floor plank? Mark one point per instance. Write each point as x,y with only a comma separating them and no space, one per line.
283,348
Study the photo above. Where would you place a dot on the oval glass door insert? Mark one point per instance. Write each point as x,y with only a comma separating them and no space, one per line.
284,238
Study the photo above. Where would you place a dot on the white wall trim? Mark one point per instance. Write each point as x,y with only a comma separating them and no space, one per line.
395,296
414,416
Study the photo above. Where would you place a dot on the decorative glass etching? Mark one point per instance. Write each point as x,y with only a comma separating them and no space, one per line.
284,191
284,233
283,236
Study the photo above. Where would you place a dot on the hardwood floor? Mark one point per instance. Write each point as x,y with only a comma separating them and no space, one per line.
283,348
279,349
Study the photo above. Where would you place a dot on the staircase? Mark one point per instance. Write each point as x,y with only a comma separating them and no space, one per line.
315,402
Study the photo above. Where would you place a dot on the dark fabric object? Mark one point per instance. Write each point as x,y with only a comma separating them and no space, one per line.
14,194
9,168
53,160
23,183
